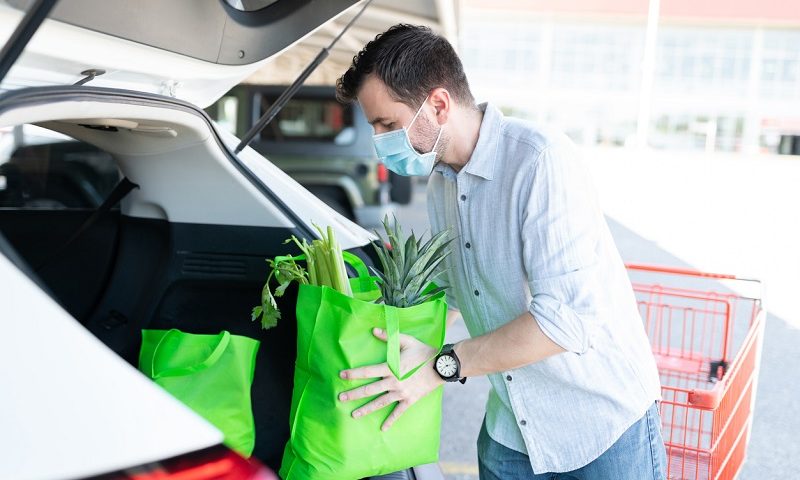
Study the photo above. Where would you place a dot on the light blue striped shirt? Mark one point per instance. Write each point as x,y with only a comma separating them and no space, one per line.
530,236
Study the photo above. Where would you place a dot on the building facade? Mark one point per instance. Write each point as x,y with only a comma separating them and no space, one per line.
725,76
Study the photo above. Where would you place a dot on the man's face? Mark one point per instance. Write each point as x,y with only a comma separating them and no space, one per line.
386,114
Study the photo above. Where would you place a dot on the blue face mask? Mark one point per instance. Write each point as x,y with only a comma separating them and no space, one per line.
395,151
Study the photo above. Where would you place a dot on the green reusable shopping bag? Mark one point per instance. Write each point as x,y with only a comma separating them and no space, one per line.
334,333
211,374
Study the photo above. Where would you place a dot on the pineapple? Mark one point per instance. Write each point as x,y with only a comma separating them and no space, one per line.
409,266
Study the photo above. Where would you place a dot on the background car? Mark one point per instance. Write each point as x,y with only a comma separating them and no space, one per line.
324,145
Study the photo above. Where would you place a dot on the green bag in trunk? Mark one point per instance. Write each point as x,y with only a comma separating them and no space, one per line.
334,333
211,374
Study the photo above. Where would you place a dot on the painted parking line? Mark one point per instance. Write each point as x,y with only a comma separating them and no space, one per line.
455,468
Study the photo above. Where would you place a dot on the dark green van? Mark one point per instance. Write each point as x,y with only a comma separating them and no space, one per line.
324,145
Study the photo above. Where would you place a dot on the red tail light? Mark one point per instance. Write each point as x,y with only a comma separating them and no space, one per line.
383,173
216,463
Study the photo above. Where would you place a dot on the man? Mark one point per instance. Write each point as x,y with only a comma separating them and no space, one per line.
534,271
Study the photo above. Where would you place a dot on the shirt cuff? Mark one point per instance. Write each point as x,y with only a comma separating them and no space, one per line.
561,324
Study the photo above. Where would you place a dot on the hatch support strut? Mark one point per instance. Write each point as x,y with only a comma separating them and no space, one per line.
23,33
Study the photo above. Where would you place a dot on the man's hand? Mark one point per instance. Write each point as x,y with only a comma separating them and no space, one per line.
404,393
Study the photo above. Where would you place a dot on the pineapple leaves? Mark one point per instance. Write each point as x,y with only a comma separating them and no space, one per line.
410,265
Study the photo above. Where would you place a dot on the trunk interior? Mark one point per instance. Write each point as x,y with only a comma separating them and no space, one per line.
126,274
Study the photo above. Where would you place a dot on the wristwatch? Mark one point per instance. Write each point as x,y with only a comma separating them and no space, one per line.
448,366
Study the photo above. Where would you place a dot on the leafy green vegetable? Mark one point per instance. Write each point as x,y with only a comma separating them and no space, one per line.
285,271
409,265
324,267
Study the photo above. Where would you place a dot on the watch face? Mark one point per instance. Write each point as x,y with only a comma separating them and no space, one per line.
446,366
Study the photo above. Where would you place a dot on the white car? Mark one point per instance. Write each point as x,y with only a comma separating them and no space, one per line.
185,249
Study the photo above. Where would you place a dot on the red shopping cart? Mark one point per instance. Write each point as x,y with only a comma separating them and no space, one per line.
707,345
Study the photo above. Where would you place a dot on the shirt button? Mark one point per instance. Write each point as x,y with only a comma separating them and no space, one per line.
463,197
523,422
477,293
508,378
468,245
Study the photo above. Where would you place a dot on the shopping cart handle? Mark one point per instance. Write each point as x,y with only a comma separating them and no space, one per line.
705,399
685,271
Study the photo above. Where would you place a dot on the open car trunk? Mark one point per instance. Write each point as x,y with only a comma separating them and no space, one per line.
186,247
185,250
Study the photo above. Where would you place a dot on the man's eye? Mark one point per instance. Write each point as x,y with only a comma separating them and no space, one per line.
388,126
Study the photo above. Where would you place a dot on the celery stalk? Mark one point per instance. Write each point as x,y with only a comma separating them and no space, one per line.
339,273
325,265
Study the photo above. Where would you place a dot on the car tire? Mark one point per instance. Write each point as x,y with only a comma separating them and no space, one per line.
402,188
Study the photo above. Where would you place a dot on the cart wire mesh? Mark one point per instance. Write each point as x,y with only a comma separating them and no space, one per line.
706,339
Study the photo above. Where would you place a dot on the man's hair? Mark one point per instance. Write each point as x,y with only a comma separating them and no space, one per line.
411,60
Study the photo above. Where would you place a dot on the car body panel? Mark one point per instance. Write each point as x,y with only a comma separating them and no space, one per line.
142,44
62,380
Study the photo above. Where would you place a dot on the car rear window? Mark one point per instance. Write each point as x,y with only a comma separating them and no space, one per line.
309,119
40,169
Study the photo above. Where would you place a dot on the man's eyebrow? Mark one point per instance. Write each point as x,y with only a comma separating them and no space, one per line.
377,120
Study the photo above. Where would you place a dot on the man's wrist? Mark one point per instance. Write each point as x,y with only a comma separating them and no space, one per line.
458,349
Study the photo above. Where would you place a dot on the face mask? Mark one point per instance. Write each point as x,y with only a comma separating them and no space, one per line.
395,151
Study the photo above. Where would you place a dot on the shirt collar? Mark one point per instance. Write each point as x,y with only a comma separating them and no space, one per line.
482,161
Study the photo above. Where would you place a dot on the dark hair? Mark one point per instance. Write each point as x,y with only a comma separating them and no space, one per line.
411,60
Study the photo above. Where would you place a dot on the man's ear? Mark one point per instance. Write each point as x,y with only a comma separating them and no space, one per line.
441,101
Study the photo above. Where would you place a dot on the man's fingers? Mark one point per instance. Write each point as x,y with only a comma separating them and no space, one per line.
377,404
405,340
372,371
380,333
396,413
368,390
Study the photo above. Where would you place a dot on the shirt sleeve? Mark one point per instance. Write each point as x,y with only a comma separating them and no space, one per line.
444,281
435,215
561,229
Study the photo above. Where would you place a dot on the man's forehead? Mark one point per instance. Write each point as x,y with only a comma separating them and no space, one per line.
373,88
377,103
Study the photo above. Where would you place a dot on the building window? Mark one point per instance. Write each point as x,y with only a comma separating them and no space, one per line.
780,67
596,57
703,60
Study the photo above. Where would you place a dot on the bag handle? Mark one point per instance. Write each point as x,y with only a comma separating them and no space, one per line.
349,258
224,339
358,265
393,345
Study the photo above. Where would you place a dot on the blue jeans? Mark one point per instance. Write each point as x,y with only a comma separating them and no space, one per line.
639,454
